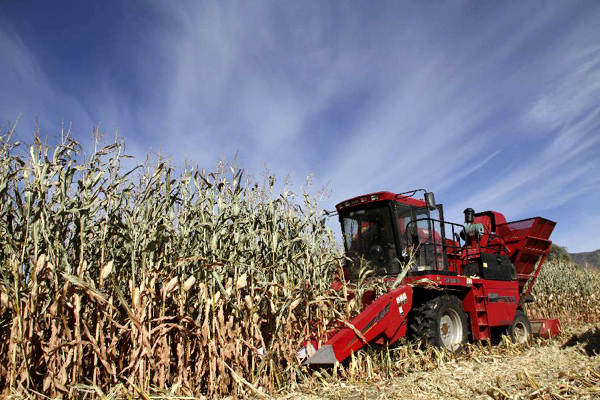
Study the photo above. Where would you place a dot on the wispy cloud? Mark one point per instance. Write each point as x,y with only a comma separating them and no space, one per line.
490,106
578,93
26,88
557,172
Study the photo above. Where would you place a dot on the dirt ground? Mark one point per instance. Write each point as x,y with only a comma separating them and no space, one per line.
566,367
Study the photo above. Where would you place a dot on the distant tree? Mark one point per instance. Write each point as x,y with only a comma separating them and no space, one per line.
559,253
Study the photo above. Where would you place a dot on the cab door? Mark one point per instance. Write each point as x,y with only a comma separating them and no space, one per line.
430,236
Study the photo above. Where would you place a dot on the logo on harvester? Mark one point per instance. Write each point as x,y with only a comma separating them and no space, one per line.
377,318
401,299
495,298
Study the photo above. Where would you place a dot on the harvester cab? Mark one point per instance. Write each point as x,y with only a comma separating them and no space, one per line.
459,282
382,231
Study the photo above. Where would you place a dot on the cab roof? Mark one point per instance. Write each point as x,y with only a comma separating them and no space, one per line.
379,197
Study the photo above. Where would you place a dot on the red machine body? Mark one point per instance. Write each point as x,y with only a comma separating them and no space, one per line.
455,278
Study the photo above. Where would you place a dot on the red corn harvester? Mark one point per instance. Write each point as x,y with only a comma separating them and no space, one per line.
458,282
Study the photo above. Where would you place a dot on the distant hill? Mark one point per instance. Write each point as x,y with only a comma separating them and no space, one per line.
591,258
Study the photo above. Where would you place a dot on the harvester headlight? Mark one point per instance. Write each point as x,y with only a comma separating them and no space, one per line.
375,197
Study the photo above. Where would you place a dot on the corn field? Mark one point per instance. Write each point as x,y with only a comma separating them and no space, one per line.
199,282
567,290
204,282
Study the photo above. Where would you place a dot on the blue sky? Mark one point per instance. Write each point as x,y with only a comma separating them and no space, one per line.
491,105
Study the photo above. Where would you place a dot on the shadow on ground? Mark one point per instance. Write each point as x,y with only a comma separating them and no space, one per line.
589,340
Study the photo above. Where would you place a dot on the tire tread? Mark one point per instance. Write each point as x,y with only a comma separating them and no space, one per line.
423,324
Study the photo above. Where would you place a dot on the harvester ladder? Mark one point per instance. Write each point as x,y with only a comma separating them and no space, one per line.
479,320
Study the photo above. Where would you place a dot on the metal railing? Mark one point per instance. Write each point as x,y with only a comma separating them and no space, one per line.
437,246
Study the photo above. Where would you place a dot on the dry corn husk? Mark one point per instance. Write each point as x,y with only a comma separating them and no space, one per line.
171,286
3,302
189,282
242,281
106,270
40,264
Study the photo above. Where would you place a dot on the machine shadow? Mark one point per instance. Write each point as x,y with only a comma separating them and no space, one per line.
589,339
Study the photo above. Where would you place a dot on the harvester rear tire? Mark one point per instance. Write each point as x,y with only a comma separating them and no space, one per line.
441,322
520,330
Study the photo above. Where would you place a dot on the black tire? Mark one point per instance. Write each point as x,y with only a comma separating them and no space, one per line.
520,330
440,322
